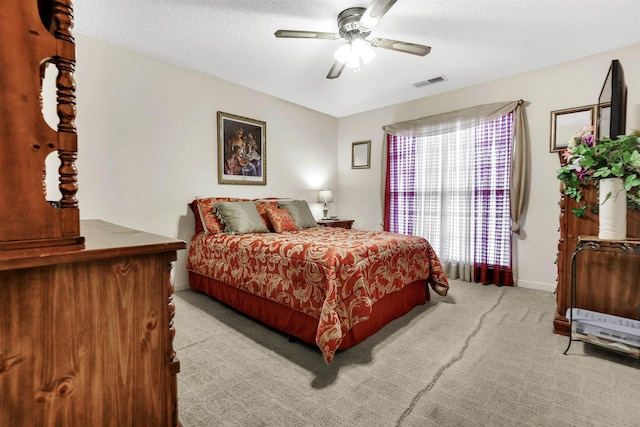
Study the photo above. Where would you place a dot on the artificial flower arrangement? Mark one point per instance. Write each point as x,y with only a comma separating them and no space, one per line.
588,160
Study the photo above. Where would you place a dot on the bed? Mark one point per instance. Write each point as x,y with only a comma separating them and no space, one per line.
329,286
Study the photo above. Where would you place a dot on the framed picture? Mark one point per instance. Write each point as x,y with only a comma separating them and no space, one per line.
242,150
566,123
361,155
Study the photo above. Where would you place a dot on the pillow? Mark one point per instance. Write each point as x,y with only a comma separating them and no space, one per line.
205,206
212,223
280,219
262,206
240,217
300,212
196,213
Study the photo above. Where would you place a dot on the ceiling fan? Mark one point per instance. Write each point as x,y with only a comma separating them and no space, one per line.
354,25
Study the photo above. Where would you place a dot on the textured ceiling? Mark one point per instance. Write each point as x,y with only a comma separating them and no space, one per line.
472,41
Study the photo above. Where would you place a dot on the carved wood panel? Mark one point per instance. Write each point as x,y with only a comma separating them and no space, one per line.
34,34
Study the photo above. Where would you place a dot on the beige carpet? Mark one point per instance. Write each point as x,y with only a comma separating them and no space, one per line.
482,356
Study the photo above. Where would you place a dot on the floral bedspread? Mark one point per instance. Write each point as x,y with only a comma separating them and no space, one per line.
329,273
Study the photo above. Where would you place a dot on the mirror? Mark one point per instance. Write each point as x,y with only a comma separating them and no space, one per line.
566,123
361,155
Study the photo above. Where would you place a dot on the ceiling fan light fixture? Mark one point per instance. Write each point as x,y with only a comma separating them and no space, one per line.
354,26
343,54
355,53
353,62
348,56
363,50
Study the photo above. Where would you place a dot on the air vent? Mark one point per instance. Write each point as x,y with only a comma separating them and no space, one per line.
430,81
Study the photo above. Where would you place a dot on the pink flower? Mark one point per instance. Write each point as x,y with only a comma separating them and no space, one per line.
582,173
588,140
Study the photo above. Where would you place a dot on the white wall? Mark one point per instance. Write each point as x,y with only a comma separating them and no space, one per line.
147,144
147,136
567,85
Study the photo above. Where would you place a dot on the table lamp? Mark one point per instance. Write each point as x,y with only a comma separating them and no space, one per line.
325,197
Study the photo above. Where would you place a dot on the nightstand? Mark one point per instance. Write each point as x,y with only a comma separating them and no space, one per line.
344,223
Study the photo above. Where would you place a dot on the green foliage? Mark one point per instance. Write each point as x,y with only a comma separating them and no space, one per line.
588,160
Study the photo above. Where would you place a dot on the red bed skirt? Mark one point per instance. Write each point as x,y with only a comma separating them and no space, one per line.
304,327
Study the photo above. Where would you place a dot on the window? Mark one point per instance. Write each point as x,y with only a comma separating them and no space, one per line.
452,186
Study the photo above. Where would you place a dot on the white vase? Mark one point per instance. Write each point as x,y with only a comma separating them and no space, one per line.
612,199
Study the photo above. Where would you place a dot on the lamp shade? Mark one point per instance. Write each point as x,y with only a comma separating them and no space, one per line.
343,54
363,51
356,51
325,196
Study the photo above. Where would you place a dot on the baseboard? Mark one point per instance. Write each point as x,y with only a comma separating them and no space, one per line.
537,285
181,286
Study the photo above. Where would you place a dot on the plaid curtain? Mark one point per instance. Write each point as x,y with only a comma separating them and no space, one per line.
453,188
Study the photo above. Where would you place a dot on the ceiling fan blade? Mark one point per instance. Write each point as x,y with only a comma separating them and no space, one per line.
336,70
375,12
406,47
294,34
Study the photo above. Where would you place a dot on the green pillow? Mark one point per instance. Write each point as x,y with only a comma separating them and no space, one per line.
240,217
300,212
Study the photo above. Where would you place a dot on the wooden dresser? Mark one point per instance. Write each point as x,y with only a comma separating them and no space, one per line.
86,326
86,335
605,282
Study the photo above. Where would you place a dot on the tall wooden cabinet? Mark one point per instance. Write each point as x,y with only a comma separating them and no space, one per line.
86,325
605,282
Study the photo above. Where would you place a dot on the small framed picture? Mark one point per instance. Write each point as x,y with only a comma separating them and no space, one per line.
361,155
566,123
242,150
